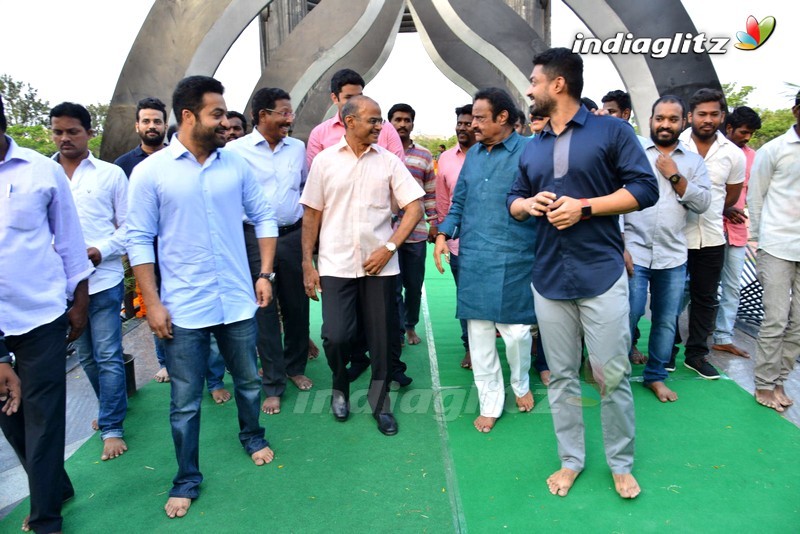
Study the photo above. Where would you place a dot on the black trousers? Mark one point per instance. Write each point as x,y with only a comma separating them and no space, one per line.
279,359
36,431
342,300
705,269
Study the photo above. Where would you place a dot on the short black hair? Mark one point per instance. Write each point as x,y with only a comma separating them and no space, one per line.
622,99
522,117
3,121
797,99
707,94
345,77
669,99
236,114
75,111
589,104
151,103
500,101
743,116
565,63
189,93
402,108
265,98
466,109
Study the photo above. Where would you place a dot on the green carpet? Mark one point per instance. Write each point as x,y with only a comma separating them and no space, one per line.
712,462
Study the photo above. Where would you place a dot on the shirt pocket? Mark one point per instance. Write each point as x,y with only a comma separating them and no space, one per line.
22,211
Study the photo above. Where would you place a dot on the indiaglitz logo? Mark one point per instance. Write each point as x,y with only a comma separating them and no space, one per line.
757,33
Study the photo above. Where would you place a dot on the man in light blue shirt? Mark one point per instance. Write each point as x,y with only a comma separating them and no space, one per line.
43,264
193,197
279,164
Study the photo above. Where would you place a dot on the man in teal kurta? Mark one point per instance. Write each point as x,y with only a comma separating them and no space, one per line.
496,256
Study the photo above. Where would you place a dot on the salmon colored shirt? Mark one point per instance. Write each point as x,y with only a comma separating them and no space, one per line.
737,232
450,163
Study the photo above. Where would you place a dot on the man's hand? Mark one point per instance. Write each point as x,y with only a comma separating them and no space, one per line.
311,282
94,256
10,389
263,292
377,261
78,314
666,165
564,212
432,231
441,248
628,262
159,320
735,215
541,203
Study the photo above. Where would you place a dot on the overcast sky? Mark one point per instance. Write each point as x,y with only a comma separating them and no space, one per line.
75,51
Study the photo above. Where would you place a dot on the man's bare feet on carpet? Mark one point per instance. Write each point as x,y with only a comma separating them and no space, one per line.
177,506
544,376
313,350
636,357
662,392
767,397
302,382
561,481
162,375
25,526
113,448
271,405
780,396
484,424
413,338
626,486
95,426
731,349
263,456
525,402
466,363
221,395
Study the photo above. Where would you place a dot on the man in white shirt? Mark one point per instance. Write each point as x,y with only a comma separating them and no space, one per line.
704,232
43,264
773,199
100,190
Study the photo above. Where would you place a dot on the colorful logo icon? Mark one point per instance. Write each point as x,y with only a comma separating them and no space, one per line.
757,33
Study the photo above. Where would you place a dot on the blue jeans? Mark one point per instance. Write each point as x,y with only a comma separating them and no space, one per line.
216,365
666,298
100,351
729,294
186,358
454,265
412,274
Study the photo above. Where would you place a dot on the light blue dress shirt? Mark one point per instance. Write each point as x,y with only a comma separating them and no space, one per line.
196,212
43,252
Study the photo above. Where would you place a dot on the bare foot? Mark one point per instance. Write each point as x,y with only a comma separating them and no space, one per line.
626,486
766,397
663,393
561,481
413,338
466,363
544,376
113,448
162,375
302,382
263,456
221,395
177,507
313,350
732,349
25,526
271,406
525,402
484,424
636,357
780,396
260,372
95,426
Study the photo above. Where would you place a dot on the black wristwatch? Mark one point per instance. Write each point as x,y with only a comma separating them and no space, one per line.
586,210
268,276
675,178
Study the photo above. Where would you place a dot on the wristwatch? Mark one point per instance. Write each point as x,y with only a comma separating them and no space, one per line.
675,178
268,276
586,210
391,247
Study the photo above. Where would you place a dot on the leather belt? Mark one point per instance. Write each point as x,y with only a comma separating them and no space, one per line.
283,230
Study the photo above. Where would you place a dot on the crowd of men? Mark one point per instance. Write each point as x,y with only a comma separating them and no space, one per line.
555,241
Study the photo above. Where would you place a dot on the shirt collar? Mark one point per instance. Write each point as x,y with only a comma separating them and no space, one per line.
342,144
177,150
648,143
579,118
509,143
14,151
792,136
257,138
90,159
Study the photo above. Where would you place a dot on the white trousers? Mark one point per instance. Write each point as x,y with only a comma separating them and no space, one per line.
486,368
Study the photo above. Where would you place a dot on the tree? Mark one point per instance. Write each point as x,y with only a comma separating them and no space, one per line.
736,97
98,112
22,103
773,124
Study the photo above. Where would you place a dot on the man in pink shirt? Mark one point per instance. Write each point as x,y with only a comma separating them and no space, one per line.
450,163
740,125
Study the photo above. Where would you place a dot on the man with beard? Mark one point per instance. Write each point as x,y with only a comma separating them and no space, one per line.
238,126
412,253
279,164
151,126
575,178
705,238
450,163
655,246
191,189
100,191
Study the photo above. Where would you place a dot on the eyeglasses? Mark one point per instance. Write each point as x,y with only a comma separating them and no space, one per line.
284,114
372,122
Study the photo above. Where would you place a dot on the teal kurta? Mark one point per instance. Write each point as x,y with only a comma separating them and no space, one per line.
496,251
